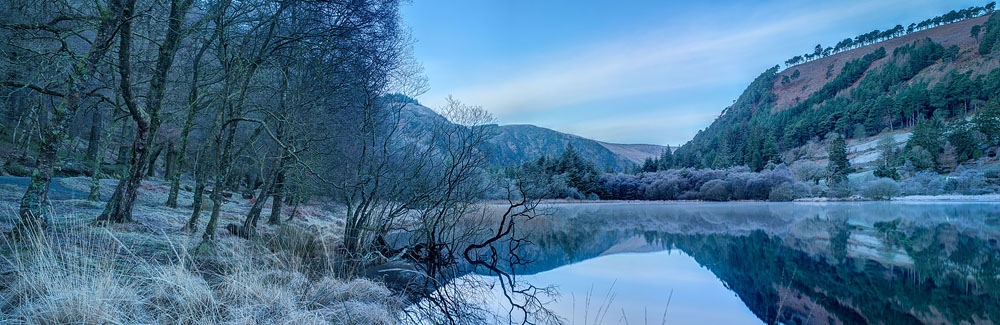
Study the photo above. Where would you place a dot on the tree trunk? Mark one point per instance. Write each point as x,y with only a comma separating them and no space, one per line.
278,192
94,138
95,176
254,215
221,174
151,163
119,209
295,209
199,195
31,210
124,151
170,160
278,188
193,108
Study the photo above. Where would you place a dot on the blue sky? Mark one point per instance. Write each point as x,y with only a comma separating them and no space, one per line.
627,71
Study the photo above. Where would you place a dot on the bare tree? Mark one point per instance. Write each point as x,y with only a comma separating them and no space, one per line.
119,208
453,233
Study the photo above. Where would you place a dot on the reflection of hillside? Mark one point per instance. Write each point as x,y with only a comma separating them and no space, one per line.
951,287
818,263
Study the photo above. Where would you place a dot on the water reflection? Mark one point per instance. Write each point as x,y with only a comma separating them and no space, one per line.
822,263
643,288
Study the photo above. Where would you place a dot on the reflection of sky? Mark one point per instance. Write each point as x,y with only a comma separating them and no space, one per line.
642,285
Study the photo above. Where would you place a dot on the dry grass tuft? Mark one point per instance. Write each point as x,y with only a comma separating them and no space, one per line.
260,296
359,301
179,296
300,248
57,284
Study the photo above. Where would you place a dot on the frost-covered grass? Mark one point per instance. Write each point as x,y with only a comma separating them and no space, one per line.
91,276
148,271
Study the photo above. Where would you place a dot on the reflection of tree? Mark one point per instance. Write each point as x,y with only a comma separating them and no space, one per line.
839,234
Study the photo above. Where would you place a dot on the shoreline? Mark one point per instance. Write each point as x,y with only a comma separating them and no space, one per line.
993,197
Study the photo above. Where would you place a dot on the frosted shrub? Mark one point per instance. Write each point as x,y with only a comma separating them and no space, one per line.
880,189
808,171
715,190
801,190
923,183
782,193
969,181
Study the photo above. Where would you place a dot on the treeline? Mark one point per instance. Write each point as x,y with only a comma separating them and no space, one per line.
876,36
568,175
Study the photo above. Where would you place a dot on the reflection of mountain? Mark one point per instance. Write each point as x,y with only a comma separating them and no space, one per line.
883,263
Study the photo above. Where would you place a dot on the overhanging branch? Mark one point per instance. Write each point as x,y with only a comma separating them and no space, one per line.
44,91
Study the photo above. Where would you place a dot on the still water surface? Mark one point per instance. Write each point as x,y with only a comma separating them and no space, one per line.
752,263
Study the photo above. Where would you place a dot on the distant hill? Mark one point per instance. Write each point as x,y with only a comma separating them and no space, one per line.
944,73
519,143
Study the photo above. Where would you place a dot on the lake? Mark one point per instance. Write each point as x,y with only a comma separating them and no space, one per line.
759,262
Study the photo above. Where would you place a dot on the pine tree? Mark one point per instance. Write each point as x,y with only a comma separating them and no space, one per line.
839,166
988,122
666,160
928,135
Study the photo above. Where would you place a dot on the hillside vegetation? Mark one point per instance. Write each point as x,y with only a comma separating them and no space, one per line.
944,80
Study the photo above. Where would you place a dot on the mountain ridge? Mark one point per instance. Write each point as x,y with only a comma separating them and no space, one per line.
515,144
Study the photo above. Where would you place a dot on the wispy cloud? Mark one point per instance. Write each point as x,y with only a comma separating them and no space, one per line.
657,61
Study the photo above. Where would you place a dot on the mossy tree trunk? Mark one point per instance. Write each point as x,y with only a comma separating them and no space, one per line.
199,196
193,108
32,205
95,140
150,169
223,153
278,193
119,208
250,223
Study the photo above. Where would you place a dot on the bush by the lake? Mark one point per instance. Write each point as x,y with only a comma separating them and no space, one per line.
809,171
968,181
923,183
880,189
782,193
715,190
839,190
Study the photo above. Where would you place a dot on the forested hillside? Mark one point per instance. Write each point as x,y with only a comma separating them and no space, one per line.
516,144
942,72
